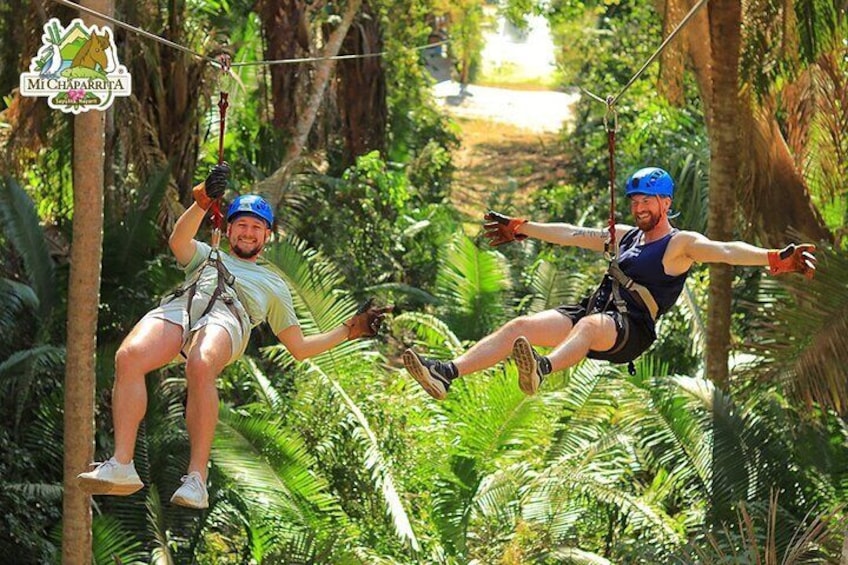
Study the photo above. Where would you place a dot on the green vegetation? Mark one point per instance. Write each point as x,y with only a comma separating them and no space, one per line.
343,458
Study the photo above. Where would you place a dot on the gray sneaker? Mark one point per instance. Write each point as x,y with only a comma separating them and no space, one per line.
532,367
434,376
193,492
110,477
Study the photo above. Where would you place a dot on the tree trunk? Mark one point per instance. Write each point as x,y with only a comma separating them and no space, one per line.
777,198
844,560
362,90
725,18
285,29
83,301
774,195
168,88
274,185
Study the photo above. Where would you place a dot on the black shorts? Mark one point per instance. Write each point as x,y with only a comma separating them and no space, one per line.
634,332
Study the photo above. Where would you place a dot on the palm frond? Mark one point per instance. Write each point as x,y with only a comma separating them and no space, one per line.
16,295
18,372
642,515
750,455
691,192
575,556
267,461
430,332
672,429
552,287
759,537
23,228
44,430
158,526
134,233
697,320
415,295
314,283
801,337
47,492
472,285
511,424
499,494
507,432
587,405
375,463
269,396
111,542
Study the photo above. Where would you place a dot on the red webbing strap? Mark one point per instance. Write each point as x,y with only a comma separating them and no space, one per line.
610,247
217,217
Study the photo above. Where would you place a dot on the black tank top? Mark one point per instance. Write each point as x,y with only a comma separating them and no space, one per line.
643,264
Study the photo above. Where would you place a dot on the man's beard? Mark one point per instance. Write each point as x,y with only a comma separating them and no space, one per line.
648,223
247,253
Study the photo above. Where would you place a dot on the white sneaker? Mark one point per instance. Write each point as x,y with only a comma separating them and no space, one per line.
193,492
111,477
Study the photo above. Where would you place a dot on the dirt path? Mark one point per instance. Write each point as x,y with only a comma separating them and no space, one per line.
510,139
510,142
495,157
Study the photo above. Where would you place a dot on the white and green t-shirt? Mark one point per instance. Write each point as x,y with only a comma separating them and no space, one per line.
261,291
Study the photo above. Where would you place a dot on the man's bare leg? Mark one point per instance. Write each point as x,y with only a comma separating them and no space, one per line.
546,329
151,344
596,332
206,359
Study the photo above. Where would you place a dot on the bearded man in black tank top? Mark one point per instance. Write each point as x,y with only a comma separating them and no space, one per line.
617,322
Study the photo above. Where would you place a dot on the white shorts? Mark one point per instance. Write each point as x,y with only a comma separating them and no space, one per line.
175,311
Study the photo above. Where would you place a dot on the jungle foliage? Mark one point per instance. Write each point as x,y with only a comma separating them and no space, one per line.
343,458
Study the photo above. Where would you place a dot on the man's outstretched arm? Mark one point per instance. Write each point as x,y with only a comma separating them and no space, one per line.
502,229
365,322
692,247
303,347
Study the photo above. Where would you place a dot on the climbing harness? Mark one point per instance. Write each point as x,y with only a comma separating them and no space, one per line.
616,276
225,281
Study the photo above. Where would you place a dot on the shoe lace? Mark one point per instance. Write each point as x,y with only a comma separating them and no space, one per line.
106,464
193,482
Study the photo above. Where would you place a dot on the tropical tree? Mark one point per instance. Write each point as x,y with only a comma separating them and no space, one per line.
30,367
83,304
725,22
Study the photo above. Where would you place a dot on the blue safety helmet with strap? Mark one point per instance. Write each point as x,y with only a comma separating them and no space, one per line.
652,181
252,204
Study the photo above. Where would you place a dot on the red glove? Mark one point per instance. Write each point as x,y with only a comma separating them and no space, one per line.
213,187
793,259
367,320
501,229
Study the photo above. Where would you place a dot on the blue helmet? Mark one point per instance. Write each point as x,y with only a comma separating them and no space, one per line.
652,181
251,204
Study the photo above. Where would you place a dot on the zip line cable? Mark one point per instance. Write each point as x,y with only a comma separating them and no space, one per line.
333,58
611,125
611,100
610,118
137,30
215,62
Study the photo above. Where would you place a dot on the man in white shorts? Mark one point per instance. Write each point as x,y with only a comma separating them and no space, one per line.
208,321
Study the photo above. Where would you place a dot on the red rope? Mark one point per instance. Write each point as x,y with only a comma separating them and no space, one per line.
223,103
610,245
